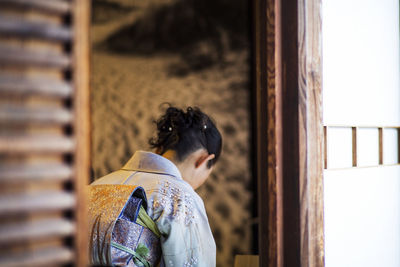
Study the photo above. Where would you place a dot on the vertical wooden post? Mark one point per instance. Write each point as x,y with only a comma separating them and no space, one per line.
288,59
268,134
81,18
398,145
290,146
311,133
325,147
380,130
261,133
354,145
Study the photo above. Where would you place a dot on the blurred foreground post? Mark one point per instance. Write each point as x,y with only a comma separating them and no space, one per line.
246,261
44,132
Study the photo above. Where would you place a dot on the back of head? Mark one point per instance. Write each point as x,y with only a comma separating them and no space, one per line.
186,132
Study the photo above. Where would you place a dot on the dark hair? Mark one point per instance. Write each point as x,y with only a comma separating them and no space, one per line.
185,132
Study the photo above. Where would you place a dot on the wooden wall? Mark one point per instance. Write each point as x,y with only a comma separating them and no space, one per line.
289,132
44,126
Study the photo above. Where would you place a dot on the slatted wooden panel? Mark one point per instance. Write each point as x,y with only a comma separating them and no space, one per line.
44,124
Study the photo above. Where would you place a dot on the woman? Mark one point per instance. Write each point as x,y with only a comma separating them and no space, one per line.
187,146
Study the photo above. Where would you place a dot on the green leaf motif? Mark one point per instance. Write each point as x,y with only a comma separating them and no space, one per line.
142,250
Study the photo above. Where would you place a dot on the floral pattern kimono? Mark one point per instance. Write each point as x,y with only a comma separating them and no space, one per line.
177,210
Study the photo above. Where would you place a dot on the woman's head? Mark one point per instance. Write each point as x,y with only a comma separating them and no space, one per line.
185,132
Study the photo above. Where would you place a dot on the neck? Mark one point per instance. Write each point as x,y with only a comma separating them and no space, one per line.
184,167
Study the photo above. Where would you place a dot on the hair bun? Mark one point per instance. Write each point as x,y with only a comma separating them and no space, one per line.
184,131
165,124
189,117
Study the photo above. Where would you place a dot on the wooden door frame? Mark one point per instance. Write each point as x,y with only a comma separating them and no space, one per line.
289,132
81,81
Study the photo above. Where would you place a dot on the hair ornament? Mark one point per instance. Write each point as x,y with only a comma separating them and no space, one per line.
170,129
205,126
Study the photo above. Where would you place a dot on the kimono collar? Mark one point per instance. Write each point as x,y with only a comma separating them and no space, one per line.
144,161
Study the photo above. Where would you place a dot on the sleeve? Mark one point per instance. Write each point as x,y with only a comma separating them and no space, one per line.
186,235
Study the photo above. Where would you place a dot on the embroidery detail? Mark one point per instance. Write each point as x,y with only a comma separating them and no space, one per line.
190,262
175,202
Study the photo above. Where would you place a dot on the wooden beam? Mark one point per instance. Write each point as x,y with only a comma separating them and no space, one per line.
380,130
40,144
398,145
354,145
57,7
290,138
35,231
16,56
19,114
325,147
260,100
24,86
45,201
311,133
267,134
42,257
81,24
17,174
298,85
24,28
288,72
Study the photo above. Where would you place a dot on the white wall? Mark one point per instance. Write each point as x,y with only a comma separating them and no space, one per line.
361,62
361,87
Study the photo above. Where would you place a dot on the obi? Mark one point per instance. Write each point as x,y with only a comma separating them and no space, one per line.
120,231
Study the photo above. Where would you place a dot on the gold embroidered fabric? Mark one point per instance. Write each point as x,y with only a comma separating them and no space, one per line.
105,205
113,211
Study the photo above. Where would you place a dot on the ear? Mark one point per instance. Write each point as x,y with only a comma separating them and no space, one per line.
203,159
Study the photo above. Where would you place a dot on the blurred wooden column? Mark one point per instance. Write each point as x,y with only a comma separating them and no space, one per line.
246,261
44,132
289,132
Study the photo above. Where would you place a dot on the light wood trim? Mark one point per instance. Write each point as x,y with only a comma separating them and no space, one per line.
325,147
36,144
34,231
12,114
43,257
81,22
363,167
39,202
16,26
398,145
58,7
38,172
311,133
380,131
16,56
354,145
363,126
19,85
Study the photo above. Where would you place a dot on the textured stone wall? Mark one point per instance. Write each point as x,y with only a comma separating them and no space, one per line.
149,52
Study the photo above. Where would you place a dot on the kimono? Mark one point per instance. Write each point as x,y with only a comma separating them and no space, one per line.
177,210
